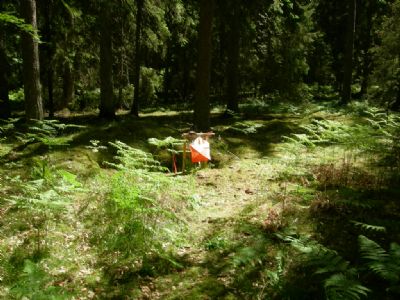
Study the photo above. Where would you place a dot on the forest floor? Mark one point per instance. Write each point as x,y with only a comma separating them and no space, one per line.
281,184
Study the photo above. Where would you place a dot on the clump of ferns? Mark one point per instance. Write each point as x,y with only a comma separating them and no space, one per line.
339,279
139,218
47,132
134,160
385,264
375,134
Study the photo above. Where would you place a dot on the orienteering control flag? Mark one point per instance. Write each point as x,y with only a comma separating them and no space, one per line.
200,150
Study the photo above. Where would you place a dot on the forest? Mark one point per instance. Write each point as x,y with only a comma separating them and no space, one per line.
104,105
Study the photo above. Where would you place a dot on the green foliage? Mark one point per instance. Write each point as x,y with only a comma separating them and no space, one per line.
387,68
285,32
17,96
385,264
339,279
338,286
34,283
378,132
150,85
140,223
8,18
215,243
369,227
247,127
47,132
7,126
170,144
135,160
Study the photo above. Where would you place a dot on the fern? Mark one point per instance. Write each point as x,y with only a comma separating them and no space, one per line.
130,159
170,144
369,227
381,262
35,283
139,223
248,127
339,278
339,286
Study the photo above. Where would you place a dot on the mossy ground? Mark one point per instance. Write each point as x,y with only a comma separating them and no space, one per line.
255,187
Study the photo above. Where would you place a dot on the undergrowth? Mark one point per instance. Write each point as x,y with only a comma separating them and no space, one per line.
322,220
139,224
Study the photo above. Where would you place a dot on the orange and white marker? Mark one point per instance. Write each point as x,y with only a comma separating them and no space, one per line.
200,150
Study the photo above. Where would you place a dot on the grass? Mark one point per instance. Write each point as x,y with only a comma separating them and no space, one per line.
281,179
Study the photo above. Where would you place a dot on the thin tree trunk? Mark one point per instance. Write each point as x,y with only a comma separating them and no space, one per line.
138,60
168,74
348,55
49,49
233,61
185,79
31,69
366,68
68,85
107,108
4,71
121,58
202,97
68,67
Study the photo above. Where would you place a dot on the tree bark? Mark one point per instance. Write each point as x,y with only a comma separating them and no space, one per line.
4,71
49,50
348,55
107,107
68,85
233,60
138,56
366,66
31,69
202,97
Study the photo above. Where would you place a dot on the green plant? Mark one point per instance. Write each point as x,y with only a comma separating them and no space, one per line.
248,127
168,149
385,264
339,278
139,219
47,132
134,160
17,96
215,243
34,283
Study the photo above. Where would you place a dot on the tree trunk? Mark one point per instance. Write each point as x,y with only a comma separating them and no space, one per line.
202,99
31,69
366,67
4,70
168,74
233,60
138,60
186,75
348,55
68,85
49,50
107,107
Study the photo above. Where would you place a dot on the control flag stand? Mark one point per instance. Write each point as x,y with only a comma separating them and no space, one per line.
198,145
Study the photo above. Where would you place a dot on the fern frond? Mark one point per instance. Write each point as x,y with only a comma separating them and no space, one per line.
339,286
371,250
369,227
385,264
131,158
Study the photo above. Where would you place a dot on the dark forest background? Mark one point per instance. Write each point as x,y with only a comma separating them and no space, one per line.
148,53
